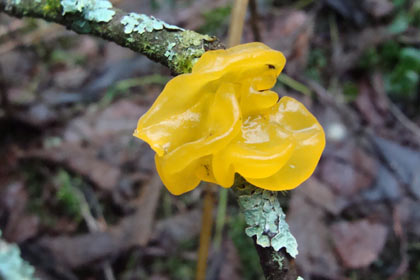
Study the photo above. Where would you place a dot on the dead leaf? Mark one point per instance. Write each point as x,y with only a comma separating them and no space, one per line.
381,100
71,78
119,118
134,230
230,267
82,161
408,212
365,104
347,168
290,32
403,161
358,243
20,225
386,187
321,195
308,226
378,8
178,228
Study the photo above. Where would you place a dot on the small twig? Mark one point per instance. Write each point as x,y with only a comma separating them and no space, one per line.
254,20
93,226
292,83
205,234
4,98
237,22
221,217
406,122
399,232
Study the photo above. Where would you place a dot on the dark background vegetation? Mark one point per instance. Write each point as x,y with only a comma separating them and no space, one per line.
80,196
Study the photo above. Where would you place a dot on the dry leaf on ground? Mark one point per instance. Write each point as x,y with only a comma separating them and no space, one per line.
358,243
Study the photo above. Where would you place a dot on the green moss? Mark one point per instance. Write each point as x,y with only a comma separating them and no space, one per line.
67,195
192,46
52,6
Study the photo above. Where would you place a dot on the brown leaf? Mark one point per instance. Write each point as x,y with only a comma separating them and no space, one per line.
365,103
358,243
403,161
178,228
71,78
230,267
119,118
20,225
408,212
381,100
82,161
308,226
321,195
348,169
378,8
135,230
290,32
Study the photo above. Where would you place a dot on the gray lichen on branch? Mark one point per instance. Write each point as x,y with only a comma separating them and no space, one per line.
264,217
92,10
266,223
173,47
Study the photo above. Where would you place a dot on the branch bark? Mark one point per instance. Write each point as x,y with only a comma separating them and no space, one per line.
265,220
175,48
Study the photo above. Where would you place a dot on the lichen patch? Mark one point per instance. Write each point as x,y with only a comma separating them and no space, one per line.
142,23
92,10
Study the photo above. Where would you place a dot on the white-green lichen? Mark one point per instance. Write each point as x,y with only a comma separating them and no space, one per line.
300,278
141,23
266,220
169,52
12,266
92,10
278,259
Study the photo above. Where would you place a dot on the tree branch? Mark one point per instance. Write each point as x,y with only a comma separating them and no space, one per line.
266,223
169,45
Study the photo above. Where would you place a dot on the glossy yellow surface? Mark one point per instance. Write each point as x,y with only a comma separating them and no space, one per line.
223,119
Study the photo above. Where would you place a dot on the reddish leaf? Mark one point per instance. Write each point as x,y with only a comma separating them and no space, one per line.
358,243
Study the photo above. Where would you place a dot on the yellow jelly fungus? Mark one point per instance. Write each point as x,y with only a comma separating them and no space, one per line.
223,119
